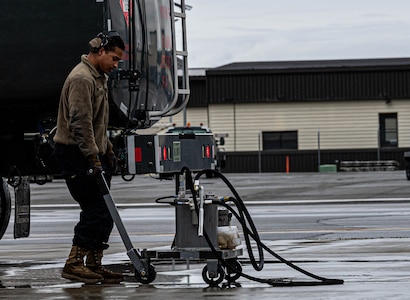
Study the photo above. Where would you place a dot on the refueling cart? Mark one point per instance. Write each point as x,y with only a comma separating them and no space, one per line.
200,223
203,230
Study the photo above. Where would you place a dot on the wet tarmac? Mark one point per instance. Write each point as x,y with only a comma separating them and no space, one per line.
367,275
350,226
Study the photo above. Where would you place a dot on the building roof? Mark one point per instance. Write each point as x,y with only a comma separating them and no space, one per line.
313,65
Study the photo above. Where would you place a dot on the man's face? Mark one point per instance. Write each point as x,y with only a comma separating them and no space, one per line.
108,60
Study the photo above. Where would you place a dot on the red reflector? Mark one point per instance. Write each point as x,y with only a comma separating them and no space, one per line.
164,153
138,155
208,151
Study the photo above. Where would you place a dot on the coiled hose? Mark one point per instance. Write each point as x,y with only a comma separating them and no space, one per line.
250,231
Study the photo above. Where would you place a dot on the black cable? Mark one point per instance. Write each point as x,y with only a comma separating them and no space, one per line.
248,219
281,259
145,57
253,233
159,200
131,53
213,249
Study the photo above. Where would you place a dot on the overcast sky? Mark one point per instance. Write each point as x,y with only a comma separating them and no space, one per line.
226,31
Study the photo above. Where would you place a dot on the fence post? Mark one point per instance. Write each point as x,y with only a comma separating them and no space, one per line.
259,152
378,144
318,150
287,163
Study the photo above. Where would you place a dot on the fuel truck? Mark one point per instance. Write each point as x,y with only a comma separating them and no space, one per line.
41,41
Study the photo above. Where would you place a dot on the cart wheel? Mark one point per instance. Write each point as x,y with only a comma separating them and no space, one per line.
127,177
148,278
232,276
40,179
408,172
213,280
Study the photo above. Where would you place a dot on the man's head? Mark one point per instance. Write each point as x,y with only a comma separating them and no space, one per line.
106,50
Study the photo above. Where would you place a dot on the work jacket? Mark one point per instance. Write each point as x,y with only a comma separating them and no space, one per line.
83,110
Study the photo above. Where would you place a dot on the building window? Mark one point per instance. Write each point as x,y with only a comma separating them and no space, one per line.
276,140
388,130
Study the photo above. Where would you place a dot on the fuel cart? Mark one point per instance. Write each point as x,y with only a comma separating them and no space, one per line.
203,229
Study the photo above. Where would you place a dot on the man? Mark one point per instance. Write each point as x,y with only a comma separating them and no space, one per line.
83,151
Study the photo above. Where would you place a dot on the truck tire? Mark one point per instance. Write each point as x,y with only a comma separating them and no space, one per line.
5,206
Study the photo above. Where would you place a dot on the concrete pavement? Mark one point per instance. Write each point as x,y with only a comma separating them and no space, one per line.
333,225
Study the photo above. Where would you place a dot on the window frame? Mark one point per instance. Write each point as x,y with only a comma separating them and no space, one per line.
384,131
283,142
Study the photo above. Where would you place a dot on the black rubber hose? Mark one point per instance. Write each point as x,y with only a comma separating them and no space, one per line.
280,258
190,186
273,282
159,200
251,232
247,218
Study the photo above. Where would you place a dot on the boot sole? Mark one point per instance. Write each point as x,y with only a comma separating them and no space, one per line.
112,281
81,279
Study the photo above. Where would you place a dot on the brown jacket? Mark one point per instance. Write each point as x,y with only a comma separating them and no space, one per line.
83,111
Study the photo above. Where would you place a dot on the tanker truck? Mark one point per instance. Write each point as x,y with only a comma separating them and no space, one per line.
41,41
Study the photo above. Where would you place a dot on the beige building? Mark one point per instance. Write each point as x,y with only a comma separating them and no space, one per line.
336,124
350,104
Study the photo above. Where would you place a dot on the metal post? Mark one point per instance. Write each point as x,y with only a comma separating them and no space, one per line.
234,127
378,144
318,150
259,152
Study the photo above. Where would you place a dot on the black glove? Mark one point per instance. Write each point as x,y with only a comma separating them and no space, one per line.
112,162
94,166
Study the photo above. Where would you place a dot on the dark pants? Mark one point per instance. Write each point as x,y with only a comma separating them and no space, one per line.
95,225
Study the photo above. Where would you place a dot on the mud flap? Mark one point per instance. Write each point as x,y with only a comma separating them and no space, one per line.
22,208
5,206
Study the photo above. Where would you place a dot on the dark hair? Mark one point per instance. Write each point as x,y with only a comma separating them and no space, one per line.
108,41
114,41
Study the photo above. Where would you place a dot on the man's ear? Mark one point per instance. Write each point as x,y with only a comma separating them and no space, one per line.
101,51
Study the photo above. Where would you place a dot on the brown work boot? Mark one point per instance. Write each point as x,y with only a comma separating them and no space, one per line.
93,262
74,268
